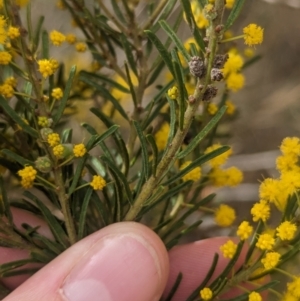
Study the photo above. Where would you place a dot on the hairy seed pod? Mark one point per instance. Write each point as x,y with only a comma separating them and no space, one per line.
216,75
45,132
197,67
209,93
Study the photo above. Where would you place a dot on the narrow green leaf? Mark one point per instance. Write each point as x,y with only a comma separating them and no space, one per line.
199,161
208,276
161,49
101,208
131,87
143,142
83,212
37,34
182,93
15,264
29,271
153,145
118,11
202,3
107,134
16,118
174,287
84,75
53,246
106,95
4,203
156,72
203,133
45,44
89,128
16,157
121,176
170,193
229,267
77,174
52,222
262,288
66,136
180,221
129,53
172,104
185,231
234,13
192,24
164,25
165,14
63,101
251,61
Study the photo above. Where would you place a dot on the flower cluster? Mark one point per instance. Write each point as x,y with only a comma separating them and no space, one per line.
47,67
98,183
193,175
28,175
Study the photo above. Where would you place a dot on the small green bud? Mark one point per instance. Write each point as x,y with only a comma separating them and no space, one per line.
45,132
43,164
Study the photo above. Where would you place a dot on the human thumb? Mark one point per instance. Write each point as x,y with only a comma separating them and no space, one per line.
124,261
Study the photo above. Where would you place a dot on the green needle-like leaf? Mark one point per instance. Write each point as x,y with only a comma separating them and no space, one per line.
234,13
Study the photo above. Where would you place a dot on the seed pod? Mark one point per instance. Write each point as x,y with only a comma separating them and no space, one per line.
216,74
43,164
197,67
209,93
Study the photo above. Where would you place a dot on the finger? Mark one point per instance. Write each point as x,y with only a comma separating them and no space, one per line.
125,261
8,254
194,261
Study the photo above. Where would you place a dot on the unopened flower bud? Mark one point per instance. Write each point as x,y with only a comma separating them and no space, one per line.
216,74
220,60
209,93
45,132
43,164
197,67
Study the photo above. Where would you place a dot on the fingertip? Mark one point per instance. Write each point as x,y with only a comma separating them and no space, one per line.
194,260
124,261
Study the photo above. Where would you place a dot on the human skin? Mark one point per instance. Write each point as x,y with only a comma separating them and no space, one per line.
123,261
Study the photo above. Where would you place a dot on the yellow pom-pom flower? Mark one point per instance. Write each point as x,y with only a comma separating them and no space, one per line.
3,31
79,150
265,242
233,64
224,215
28,175
230,107
270,260
5,57
193,175
71,38
206,294
290,146
253,34
98,183
294,287
81,47
47,67
228,249
57,93
173,92
57,38
261,210
269,189
235,81
53,139
58,151
286,230
244,230
161,136
229,3
212,108
254,296
7,90
13,32
219,160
